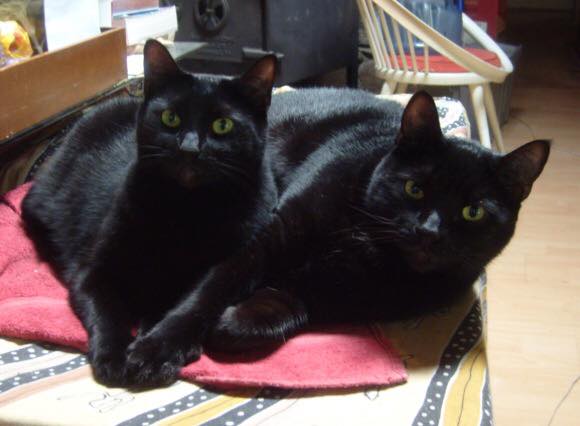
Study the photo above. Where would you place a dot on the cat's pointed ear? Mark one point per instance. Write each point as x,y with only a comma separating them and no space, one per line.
520,168
257,82
420,120
159,66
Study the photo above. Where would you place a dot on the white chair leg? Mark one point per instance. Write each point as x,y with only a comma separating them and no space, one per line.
492,116
402,88
476,92
389,88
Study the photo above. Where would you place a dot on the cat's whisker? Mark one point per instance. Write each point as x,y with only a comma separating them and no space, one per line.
232,168
152,147
235,178
369,233
373,228
149,151
233,171
383,231
233,162
347,231
157,154
383,239
381,219
153,156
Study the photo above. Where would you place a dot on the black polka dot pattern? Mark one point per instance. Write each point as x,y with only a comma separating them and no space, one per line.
33,376
466,336
23,353
442,111
460,122
487,412
482,284
189,401
265,399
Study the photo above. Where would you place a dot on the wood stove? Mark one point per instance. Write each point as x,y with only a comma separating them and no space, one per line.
310,37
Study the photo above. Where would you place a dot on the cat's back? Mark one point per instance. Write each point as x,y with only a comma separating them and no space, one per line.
311,128
76,187
340,107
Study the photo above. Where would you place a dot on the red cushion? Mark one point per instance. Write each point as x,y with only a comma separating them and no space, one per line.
440,63
33,306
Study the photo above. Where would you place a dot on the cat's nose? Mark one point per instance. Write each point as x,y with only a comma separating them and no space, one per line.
429,230
190,143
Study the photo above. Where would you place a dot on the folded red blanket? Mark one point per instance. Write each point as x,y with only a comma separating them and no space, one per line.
33,306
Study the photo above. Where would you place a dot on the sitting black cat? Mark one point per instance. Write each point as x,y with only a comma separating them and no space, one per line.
379,217
143,197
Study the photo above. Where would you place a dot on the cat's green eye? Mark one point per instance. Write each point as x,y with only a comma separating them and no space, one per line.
413,190
473,213
221,126
170,118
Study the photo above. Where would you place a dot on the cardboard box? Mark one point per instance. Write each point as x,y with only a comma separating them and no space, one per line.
50,83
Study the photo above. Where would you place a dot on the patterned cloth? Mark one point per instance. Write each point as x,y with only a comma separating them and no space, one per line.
444,354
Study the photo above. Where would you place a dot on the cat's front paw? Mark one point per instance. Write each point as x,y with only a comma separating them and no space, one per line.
109,368
156,362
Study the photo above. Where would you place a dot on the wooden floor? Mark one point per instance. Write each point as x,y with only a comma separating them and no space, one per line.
534,286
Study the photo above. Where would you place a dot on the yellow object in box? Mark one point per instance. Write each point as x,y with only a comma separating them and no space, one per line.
14,43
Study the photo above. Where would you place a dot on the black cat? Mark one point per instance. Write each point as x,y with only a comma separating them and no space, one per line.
379,217
144,196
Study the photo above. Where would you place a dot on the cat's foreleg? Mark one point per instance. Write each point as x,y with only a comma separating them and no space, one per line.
107,324
264,320
156,356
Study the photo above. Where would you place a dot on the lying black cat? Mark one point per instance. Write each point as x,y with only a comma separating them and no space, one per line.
379,217
144,197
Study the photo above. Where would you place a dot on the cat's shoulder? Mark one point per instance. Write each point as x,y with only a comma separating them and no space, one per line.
109,123
337,100
105,131
121,109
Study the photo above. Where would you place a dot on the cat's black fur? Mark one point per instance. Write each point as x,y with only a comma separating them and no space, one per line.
346,241
131,212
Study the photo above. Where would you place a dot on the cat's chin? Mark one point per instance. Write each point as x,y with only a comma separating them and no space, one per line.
188,178
421,261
